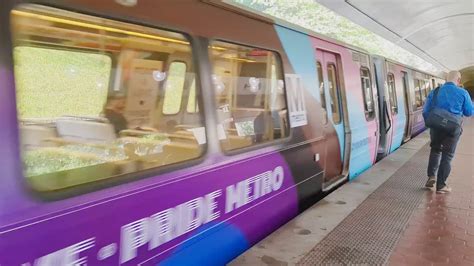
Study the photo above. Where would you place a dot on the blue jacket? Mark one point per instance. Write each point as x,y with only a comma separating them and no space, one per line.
452,98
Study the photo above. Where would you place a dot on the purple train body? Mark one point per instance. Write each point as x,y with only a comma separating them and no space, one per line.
208,208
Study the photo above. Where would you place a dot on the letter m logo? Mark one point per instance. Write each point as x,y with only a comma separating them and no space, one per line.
297,108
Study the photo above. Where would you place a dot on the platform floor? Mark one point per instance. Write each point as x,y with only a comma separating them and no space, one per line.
385,216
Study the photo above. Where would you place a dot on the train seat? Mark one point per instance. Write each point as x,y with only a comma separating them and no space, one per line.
36,136
85,131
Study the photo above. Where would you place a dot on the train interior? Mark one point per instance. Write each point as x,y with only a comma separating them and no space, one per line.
250,98
96,98
113,101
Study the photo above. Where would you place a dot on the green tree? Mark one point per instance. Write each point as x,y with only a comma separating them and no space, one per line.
311,15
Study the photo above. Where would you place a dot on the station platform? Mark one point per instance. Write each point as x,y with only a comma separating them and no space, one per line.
384,217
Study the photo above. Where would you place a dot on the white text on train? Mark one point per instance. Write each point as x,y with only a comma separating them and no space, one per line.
166,225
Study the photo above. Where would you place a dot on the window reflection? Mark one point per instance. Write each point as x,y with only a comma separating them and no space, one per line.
98,98
322,94
333,83
250,95
419,93
367,92
392,93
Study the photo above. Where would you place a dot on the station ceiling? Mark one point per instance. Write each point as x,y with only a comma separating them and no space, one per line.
439,31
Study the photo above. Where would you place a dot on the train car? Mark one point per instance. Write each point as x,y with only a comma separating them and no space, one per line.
398,83
175,132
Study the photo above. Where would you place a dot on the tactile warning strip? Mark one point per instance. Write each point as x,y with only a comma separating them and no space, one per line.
368,235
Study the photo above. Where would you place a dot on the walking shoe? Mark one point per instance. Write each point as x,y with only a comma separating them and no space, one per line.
431,181
443,190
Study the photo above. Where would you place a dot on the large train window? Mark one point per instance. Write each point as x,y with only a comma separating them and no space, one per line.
99,99
333,91
322,94
392,91
250,95
367,93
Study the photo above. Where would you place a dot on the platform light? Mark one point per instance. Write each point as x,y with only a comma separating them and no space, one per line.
218,83
158,75
254,84
97,27
218,48
88,25
127,3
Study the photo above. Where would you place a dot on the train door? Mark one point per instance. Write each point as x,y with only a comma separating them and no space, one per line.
332,93
322,94
407,135
398,119
385,115
366,132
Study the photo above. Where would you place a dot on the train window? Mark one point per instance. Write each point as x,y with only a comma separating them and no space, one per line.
321,91
192,106
392,93
419,100
91,94
424,89
173,88
334,93
250,95
367,93
428,87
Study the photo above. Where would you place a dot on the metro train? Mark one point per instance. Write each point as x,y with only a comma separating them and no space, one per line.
179,132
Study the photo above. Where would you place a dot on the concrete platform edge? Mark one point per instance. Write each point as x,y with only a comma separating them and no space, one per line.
291,242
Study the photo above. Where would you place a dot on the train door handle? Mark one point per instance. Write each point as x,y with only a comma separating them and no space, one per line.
387,117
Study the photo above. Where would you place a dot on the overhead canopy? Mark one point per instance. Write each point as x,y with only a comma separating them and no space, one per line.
439,31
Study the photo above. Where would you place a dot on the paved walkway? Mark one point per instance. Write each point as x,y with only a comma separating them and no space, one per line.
441,231
384,217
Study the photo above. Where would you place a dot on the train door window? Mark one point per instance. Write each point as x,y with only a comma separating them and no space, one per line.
367,93
429,88
334,93
173,88
250,95
322,94
406,91
392,93
424,89
418,94
90,98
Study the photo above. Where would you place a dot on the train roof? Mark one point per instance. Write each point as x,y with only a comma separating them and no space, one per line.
412,68
248,12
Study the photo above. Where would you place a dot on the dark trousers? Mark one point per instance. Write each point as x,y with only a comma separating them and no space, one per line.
443,147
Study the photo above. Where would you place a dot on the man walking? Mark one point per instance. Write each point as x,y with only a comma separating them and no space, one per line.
457,101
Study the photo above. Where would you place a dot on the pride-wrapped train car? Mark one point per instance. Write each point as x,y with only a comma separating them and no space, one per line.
179,132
